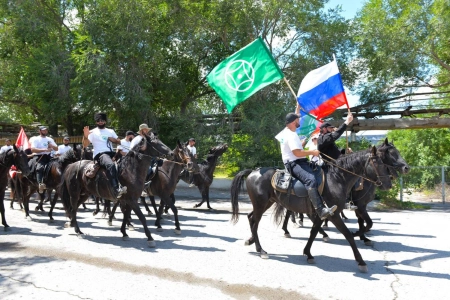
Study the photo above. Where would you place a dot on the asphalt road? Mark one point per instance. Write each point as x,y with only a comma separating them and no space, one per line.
409,260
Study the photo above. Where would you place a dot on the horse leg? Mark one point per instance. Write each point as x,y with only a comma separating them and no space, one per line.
251,240
2,208
317,222
289,215
126,215
73,214
207,197
254,223
174,209
363,216
340,225
146,206
150,241
40,207
52,206
203,193
343,216
111,214
97,206
325,236
158,216
300,221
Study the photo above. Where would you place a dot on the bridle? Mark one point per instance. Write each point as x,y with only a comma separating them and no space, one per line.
184,158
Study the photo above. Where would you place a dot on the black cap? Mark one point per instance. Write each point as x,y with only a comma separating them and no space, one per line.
326,124
129,132
100,116
42,127
192,139
291,117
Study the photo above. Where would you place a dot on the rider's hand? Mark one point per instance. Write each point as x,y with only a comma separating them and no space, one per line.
315,152
86,131
349,118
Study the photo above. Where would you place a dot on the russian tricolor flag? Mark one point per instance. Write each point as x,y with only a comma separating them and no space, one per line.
321,91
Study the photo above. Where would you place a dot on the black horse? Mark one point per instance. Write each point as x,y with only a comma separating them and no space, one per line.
165,182
76,187
15,157
27,186
339,181
392,158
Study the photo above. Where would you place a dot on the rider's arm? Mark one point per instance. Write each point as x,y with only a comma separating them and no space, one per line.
303,153
114,140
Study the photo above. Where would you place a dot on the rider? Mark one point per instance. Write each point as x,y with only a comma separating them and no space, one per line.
42,146
101,138
143,130
193,150
294,158
7,146
327,145
64,147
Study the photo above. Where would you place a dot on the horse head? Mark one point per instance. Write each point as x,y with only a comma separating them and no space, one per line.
183,155
20,159
375,168
392,158
151,145
218,150
71,155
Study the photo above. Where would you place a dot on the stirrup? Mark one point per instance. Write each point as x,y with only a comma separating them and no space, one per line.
350,206
121,191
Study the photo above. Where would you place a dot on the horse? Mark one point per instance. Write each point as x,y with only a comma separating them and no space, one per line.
392,158
165,182
204,177
76,187
15,157
340,178
27,186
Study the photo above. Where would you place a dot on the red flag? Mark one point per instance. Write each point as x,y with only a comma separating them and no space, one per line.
22,140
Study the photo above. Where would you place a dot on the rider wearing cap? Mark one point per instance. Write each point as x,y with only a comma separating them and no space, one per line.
294,159
101,138
42,146
328,136
64,147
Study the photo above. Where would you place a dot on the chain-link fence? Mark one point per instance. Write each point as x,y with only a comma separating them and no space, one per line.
432,182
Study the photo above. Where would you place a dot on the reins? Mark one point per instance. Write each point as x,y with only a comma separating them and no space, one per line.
377,183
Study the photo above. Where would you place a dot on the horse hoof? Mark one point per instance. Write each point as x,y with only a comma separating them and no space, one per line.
131,228
109,223
159,229
151,244
29,218
300,223
80,236
7,228
264,256
247,243
177,231
67,225
368,243
325,226
51,221
363,269
287,235
326,239
311,261
125,238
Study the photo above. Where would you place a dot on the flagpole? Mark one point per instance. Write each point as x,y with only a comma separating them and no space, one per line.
292,91
348,110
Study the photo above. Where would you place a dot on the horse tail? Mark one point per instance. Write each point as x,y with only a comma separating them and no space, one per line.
65,196
279,213
236,188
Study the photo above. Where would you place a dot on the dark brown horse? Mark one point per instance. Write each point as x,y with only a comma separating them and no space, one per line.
338,184
76,187
165,182
15,157
27,186
392,158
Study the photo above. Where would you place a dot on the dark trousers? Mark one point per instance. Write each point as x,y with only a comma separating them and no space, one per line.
301,169
41,162
105,160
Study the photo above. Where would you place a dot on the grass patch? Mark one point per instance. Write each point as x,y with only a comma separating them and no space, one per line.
397,204
222,172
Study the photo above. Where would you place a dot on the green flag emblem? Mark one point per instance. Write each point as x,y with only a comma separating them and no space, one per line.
244,73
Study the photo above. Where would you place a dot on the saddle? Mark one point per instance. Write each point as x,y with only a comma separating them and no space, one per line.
283,182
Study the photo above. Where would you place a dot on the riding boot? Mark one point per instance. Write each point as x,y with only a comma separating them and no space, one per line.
316,200
39,175
119,190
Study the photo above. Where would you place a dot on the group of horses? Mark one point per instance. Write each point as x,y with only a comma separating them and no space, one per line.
377,166
67,176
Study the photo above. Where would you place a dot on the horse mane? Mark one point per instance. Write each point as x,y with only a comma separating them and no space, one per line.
348,161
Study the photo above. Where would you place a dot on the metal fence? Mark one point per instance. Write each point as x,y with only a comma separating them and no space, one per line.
434,181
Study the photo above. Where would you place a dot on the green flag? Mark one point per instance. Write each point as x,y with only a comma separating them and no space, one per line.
244,73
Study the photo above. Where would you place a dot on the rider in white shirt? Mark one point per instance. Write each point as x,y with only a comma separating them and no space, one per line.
64,147
101,138
42,146
7,147
193,150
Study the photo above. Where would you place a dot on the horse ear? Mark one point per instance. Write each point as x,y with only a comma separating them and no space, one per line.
374,150
386,141
15,148
179,144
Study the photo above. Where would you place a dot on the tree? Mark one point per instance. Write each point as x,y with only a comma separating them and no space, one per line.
402,47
